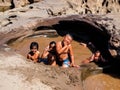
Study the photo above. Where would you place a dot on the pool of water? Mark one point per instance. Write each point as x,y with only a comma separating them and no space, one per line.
80,52
92,78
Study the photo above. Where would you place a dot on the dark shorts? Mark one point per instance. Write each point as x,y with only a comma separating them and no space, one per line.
44,60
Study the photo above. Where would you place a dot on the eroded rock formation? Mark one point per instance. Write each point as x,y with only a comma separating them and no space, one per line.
101,32
21,22
76,6
64,16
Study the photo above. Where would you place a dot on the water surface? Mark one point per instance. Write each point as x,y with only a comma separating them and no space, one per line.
80,52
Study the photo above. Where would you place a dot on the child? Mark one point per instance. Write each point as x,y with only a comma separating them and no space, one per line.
65,52
96,57
50,53
34,53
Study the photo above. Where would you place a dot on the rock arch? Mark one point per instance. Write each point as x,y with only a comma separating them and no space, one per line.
86,32
83,28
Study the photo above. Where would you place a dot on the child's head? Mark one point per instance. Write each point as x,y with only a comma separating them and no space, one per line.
34,47
68,38
52,44
97,53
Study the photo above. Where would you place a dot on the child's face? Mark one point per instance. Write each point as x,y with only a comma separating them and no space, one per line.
67,39
52,46
34,49
97,54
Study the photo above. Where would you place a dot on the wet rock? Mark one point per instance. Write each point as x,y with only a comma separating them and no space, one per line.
101,82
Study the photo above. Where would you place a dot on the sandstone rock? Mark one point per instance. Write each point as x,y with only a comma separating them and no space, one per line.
101,82
20,3
104,29
10,63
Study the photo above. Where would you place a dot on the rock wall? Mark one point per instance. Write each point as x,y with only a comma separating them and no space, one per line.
77,6
17,3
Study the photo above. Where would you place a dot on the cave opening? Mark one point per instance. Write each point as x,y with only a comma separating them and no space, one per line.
85,32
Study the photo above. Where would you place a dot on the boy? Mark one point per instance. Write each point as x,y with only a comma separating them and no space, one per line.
65,52
34,53
50,53
96,57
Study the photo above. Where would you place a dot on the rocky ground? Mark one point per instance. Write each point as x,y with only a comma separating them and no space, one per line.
17,73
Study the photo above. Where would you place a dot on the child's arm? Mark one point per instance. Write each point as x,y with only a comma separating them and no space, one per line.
88,60
72,57
45,53
34,57
59,49
28,56
91,58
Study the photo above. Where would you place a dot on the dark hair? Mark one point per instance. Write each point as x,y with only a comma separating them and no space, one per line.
52,42
97,51
53,50
34,44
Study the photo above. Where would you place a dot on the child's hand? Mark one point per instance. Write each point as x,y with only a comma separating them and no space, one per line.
29,56
77,66
69,45
35,61
47,48
73,65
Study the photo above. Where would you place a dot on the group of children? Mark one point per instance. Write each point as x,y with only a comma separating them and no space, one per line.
59,53
47,55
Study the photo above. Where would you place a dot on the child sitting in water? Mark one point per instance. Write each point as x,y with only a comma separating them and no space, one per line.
96,57
50,53
34,53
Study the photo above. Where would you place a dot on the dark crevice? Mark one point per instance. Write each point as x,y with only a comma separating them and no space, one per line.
31,1
12,5
43,28
104,2
12,40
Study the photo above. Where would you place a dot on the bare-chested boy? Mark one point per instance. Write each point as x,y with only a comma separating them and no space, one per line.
34,53
65,52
